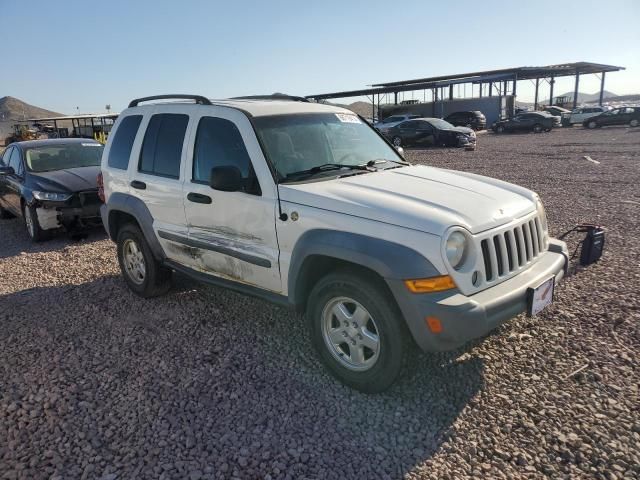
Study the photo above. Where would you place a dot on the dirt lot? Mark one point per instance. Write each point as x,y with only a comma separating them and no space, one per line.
204,383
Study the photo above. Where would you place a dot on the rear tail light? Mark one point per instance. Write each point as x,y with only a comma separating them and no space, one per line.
100,187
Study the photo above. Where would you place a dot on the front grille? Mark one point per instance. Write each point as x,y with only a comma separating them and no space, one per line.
89,198
509,251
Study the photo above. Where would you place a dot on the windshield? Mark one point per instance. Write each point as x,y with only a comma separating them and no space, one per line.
440,124
58,157
296,143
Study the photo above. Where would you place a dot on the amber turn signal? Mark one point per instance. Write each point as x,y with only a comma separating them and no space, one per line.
433,284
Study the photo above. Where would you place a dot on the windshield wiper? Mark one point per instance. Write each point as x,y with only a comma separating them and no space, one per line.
328,167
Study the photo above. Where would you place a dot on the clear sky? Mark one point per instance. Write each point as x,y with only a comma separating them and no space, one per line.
62,55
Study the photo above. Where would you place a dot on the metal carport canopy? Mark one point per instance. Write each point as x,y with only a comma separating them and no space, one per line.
518,73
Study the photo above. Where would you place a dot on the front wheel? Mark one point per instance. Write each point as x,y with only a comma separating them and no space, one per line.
143,273
537,128
358,331
35,232
592,125
5,213
500,129
397,141
634,122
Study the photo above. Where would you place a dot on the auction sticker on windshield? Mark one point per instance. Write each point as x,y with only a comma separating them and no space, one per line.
541,296
346,118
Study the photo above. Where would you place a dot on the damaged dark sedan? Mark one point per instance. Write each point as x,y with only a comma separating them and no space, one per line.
430,132
51,185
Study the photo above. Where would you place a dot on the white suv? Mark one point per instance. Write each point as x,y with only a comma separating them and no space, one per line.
308,206
581,114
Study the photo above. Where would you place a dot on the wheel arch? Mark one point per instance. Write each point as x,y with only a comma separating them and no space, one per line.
319,252
123,208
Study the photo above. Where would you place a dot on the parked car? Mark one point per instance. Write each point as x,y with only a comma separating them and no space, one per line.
526,122
556,111
430,132
51,184
306,205
618,116
393,120
471,119
579,115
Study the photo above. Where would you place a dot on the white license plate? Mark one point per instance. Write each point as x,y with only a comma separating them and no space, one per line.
541,296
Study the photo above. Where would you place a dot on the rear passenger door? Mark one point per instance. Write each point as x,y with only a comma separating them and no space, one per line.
158,174
233,234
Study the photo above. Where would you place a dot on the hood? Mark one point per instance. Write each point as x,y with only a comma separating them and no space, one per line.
422,198
67,180
465,130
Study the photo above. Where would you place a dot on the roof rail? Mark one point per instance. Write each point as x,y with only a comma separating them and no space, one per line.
274,96
199,99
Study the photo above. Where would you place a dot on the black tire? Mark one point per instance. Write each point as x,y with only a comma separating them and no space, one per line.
537,128
32,225
396,141
4,214
500,129
634,122
592,125
395,344
156,279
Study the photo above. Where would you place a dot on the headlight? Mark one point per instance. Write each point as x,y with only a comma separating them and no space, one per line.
455,248
542,214
51,196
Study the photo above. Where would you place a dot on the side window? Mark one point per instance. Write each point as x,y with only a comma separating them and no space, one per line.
162,145
15,162
123,141
219,144
4,160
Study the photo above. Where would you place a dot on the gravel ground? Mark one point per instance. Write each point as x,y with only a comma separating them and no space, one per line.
205,383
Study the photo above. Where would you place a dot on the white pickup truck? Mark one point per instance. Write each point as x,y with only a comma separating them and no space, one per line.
308,206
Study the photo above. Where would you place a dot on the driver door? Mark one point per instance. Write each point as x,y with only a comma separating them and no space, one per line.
425,133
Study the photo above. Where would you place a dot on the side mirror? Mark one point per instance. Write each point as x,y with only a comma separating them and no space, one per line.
400,151
7,171
226,179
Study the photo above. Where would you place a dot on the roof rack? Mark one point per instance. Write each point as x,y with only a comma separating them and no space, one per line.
274,96
199,99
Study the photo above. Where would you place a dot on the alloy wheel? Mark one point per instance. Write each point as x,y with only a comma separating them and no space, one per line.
28,220
134,263
350,334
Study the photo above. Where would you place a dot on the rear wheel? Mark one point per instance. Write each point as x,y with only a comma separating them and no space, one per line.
397,141
143,273
358,331
634,122
500,129
592,124
537,128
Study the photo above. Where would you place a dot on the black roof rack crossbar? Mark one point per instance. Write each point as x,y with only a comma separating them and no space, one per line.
199,99
275,96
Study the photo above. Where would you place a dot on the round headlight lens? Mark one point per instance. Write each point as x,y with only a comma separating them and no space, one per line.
455,248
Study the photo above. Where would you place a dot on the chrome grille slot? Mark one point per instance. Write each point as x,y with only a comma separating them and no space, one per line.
513,249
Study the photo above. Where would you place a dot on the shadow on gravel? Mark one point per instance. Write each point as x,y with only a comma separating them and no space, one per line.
203,379
16,240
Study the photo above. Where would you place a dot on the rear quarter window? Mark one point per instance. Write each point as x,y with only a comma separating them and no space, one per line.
162,145
123,141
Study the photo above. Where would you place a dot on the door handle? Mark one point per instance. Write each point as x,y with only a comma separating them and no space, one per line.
198,198
138,184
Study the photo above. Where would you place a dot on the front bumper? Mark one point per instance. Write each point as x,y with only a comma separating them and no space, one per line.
464,318
51,216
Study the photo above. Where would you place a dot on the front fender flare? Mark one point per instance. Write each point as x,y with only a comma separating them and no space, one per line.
388,259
